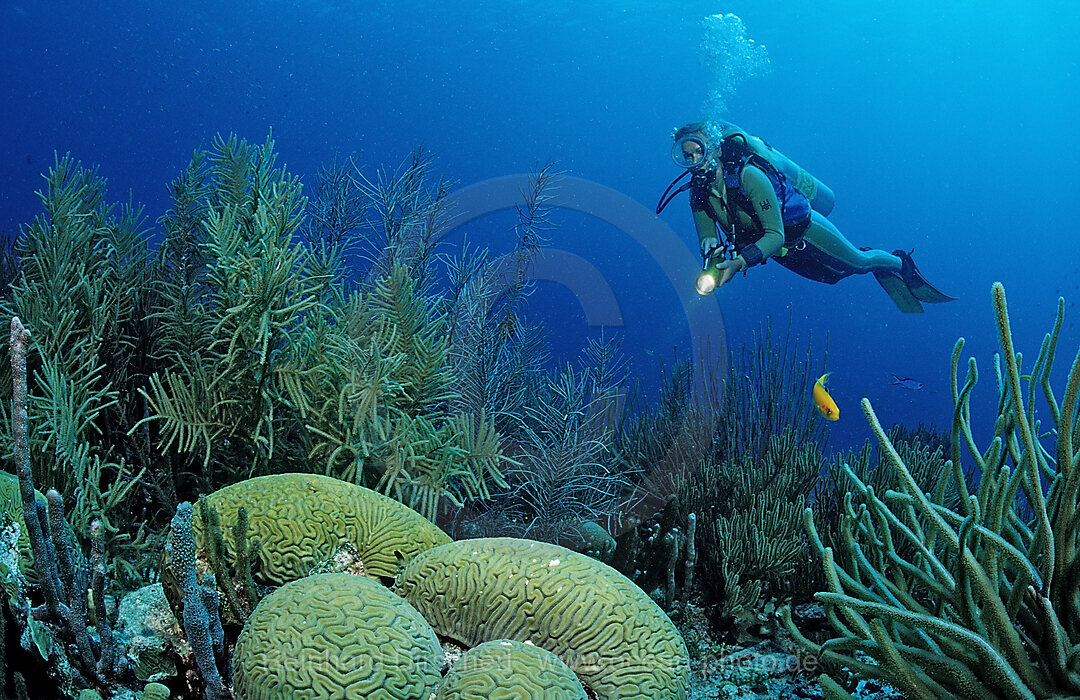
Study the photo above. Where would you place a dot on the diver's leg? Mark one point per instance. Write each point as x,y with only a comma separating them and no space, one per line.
886,267
824,235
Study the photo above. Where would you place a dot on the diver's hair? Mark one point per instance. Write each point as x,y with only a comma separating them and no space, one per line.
711,130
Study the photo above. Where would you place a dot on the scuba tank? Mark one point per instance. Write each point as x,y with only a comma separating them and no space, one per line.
699,148
819,194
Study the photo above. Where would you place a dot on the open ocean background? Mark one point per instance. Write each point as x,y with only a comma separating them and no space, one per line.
950,128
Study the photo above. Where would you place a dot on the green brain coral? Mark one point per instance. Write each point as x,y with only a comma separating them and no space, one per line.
595,619
301,519
509,670
335,636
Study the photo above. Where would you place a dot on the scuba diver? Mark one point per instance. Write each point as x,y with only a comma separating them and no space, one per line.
751,204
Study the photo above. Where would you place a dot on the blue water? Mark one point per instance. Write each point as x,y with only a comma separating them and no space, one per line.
949,128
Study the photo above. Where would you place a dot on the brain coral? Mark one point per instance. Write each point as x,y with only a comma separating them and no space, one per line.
509,670
595,619
300,519
335,636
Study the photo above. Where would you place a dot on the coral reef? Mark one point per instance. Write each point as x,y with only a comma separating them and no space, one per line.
734,463
507,669
597,621
336,636
151,633
200,608
244,345
325,383
565,482
82,268
265,362
71,593
300,519
11,513
984,600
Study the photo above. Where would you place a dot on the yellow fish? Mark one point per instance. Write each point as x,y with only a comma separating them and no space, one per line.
823,401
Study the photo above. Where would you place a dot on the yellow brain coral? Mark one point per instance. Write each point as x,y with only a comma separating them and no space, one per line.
300,519
595,619
509,670
335,636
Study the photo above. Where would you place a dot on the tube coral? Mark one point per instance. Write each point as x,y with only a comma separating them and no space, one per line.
987,603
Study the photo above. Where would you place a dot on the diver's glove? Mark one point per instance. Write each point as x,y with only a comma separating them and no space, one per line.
709,247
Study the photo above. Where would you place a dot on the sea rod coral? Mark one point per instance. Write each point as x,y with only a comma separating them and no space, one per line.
985,602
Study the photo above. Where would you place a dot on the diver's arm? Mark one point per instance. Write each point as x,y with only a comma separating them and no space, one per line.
706,227
759,190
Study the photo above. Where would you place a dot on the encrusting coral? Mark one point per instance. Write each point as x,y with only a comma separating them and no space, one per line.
983,599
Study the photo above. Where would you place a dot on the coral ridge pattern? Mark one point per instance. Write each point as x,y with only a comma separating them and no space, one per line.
605,628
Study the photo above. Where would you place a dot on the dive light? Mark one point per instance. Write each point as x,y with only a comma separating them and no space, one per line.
707,279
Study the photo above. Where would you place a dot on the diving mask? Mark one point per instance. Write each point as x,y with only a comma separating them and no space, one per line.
690,152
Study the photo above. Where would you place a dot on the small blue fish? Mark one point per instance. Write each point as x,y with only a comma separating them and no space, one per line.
906,383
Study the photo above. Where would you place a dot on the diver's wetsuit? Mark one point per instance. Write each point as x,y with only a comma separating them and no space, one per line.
826,256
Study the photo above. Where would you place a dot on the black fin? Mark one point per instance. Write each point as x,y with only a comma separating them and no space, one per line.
898,291
920,287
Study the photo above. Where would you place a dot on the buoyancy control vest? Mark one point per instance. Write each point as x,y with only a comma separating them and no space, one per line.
735,154
819,196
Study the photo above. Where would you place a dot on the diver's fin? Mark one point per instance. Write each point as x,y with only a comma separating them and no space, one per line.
898,291
920,287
